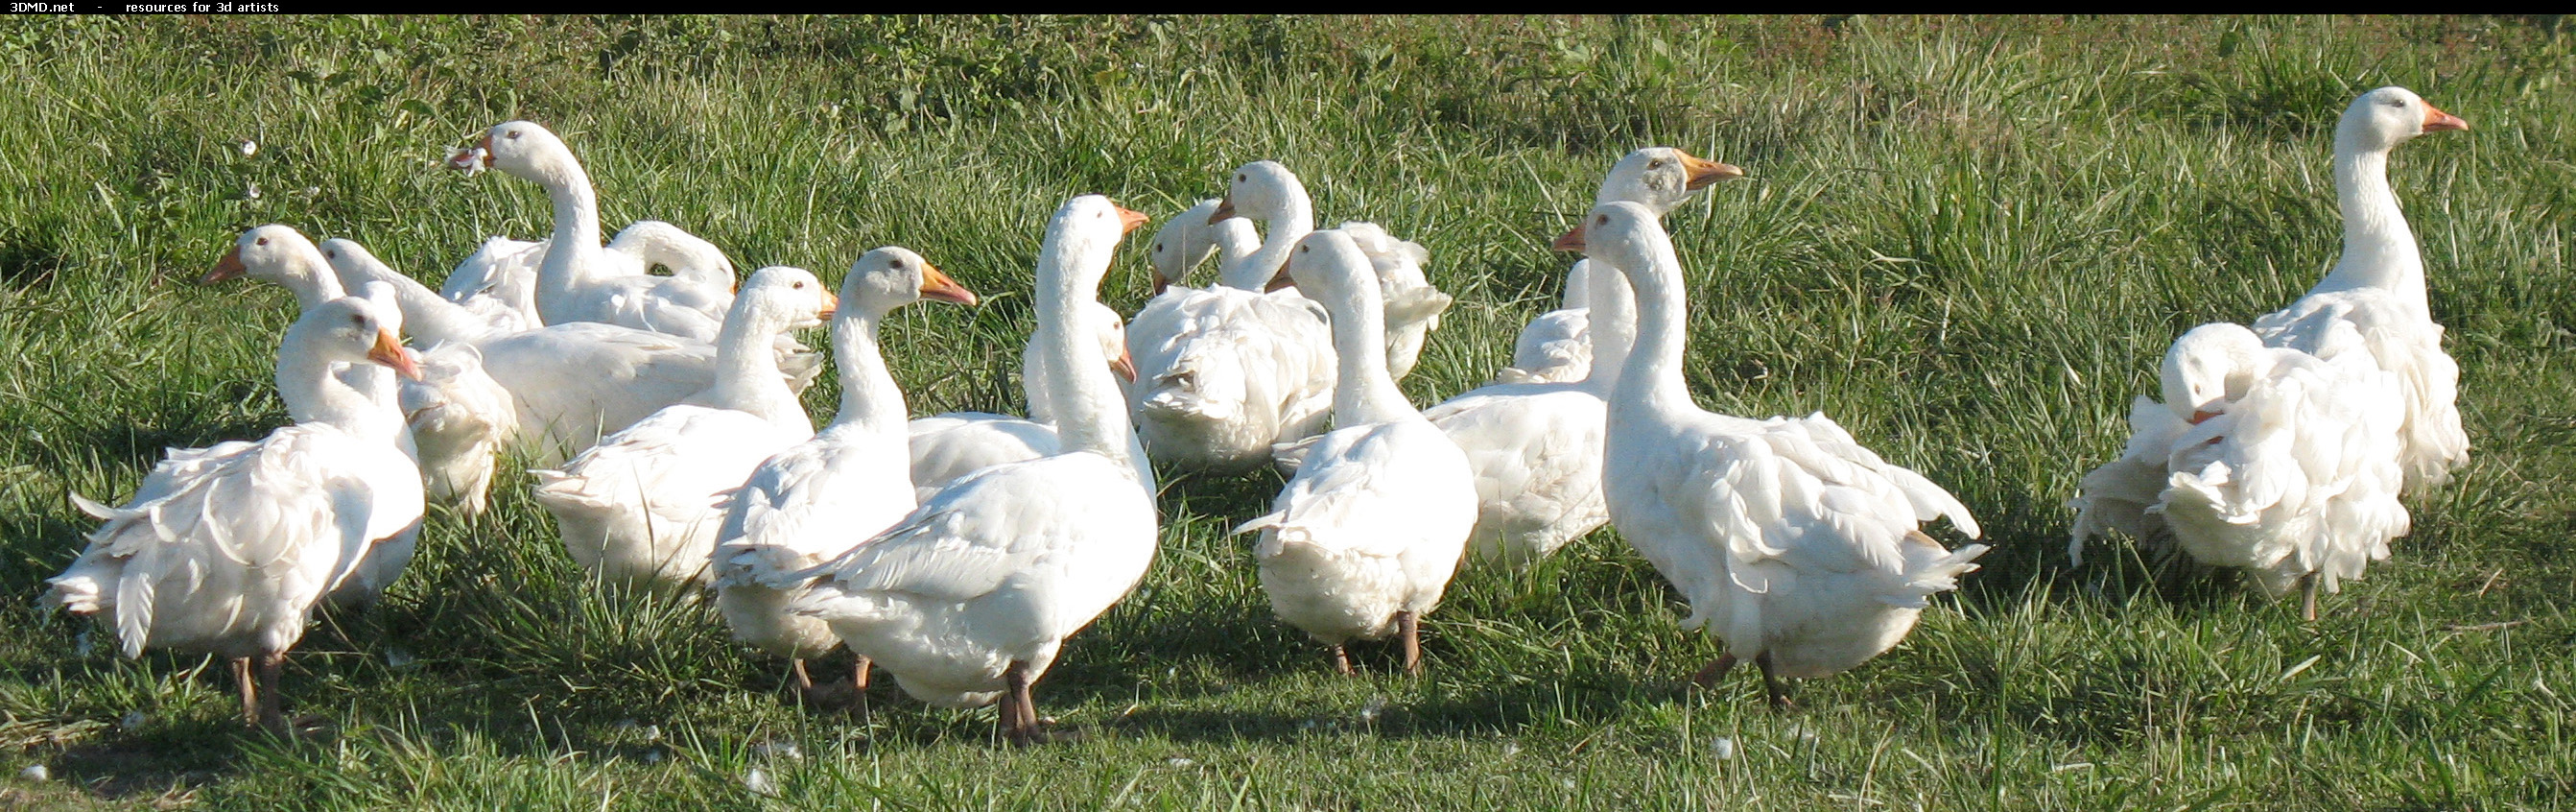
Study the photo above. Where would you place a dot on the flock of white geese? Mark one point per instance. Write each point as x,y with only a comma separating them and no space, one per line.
958,552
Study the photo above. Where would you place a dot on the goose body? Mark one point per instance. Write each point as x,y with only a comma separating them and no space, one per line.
968,599
1364,538
815,500
642,507
1796,545
2265,459
2377,288
945,447
228,549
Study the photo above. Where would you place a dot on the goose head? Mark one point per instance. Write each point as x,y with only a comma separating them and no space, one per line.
1261,190
352,330
1183,242
1614,234
522,148
1112,331
2210,367
1661,178
790,296
353,263
2383,118
1329,266
1080,239
891,277
280,256
688,256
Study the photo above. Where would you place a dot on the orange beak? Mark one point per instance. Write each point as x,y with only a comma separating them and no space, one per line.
1129,219
389,351
2435,119
230,267
1224,211
1570,241
1160,283
831,305
1124,365
1704,172
1281,282
476,159
2197,416
935,284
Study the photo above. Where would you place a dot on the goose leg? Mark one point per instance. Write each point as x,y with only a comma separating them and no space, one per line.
859,676
1409,624
1342,661
272,707
804,682
1715,670
249,691
2308,604
1020,716
1771,685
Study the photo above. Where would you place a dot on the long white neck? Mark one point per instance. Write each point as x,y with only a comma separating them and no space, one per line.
1089,413
1295,219
747,377
1578,286
576,238
1363,392
311,280
428,317
2379,251
1611,325
870,401
1651,376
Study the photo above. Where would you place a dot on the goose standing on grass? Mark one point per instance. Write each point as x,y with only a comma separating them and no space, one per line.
813,501
947,446
227,549
642,507
1225,372
2377,288
969,599
578,280
1800,547
1536,447
2265,459
1553,348
1364,538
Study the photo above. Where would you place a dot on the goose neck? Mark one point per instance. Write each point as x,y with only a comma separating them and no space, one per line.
1294,220
576,236
1610,324
2379,250
870,400
1651,376
1363,391
747,377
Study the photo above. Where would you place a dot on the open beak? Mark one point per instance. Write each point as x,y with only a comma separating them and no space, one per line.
1124,365
2435,119
2200,415
1130,219
1704,172
1224,211
473,160
935,284
389,351
230,267
1570,241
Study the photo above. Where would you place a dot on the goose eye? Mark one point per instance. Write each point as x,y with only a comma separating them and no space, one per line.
800,286
897,264
263,241
1158,246
1240,177
331,254
358,320
1601,220
1655,164
513,134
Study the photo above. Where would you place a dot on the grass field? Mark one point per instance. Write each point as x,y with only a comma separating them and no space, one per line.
1969,241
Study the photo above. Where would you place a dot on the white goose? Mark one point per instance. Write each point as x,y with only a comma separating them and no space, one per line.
503,272
2377,288
2261,458
1536,447
1553,347
1412,305
1800,547
1225,372
227,549
1364,538
813,501
642,506
969,598
947,446
577,280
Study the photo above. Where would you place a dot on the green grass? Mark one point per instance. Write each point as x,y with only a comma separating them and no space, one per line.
1968,241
